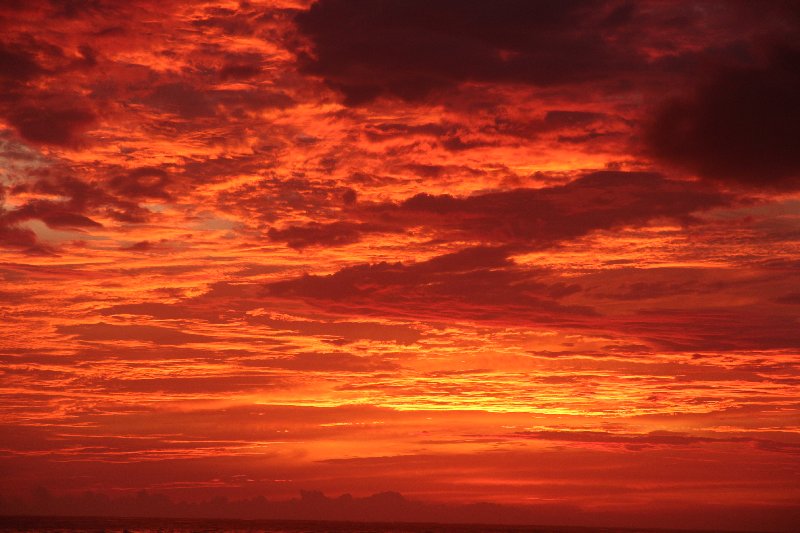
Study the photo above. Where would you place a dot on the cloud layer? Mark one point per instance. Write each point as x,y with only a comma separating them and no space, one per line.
529,256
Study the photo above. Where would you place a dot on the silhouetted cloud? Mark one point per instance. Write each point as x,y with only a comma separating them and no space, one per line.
737,127
408,49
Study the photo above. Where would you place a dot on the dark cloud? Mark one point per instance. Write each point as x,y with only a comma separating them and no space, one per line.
102,331
656,439
157,310
59,125
662,438
791,298
17,65
141,246
182,99
200,100
144,182
740,127
322,362
331,234
195,384
317,198
239,71
537,218
564,119
344,332
392,130
54,214
408,48
478,283
12,236
744,327
83,200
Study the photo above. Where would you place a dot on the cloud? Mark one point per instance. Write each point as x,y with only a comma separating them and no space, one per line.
157,310
201,100
542,217
54,214
16,65
409,48
87,198
495,319
143,182
566,119
330,234
240,71
323,362
478,283
481,282
642,442
12,236
102,331
662,438
709,328
793,298
195,384
524,218
182,99
51,123
344,332
737,128
81,201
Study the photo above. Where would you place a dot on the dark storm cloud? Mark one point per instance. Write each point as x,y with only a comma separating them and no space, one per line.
740,127
408,48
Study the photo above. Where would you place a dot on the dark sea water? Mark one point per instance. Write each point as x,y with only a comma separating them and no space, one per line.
52,524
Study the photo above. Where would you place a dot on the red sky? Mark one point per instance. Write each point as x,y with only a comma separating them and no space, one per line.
527,253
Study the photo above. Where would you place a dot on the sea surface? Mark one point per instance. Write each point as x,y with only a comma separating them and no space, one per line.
51,524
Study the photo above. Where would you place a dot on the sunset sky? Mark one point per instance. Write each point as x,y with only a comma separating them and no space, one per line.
527,253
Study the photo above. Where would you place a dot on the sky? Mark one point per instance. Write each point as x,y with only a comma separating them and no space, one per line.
534,254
